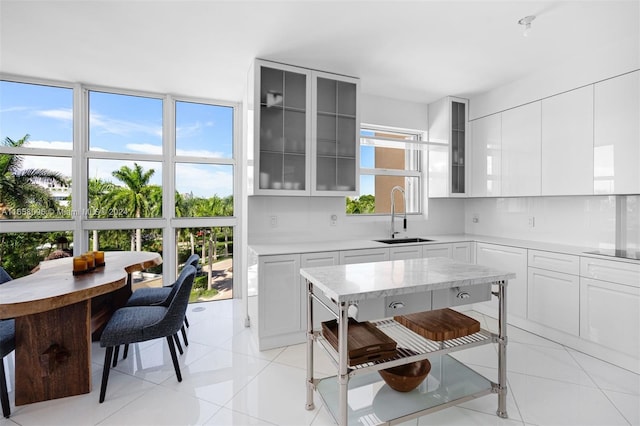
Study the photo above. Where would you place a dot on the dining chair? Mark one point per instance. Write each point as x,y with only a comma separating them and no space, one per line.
155,296
159,295
7,345
134,324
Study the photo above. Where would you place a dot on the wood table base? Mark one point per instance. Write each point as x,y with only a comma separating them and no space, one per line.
54,361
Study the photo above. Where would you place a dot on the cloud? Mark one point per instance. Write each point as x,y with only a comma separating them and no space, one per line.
204,180
65,114
50,144
200,153
145,148
122,127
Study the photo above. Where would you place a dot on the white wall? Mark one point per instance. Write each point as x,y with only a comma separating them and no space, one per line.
393,113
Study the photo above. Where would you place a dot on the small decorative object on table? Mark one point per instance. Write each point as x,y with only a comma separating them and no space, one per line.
91,261
80,265
99,258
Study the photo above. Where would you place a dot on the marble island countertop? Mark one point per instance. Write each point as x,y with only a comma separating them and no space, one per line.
356,282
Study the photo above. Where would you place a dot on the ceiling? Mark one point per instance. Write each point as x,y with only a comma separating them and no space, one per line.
417,51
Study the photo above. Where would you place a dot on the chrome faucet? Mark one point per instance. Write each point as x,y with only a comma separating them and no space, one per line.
393,210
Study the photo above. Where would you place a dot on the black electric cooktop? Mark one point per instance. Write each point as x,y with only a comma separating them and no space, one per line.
625,254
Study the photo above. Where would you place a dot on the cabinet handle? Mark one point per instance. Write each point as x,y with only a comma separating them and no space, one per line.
396,305
463,295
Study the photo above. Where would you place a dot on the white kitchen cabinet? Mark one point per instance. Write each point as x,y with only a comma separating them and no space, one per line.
463,252
486,156
567,143
610,315
610,304
448,126
437,250
335,129
405,252
521,135
363,256
280,295
553,294
508,259
308,260
305,132
616,135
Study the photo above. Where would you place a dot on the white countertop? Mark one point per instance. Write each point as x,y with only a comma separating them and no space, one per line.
312,246
352,283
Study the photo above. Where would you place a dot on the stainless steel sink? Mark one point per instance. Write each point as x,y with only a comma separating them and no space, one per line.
403,240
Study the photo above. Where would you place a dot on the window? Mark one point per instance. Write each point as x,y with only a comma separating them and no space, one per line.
388,158
146,172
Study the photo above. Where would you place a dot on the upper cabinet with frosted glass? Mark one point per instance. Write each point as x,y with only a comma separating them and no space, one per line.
335,135
306,128
448,147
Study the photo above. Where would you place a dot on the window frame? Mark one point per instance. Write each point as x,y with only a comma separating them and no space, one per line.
419,150
80,155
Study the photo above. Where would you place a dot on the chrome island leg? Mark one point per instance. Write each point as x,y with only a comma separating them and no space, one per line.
502,350
310,405
343,376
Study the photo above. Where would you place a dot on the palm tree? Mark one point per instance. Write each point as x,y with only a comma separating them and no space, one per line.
98,190
20,187
135,196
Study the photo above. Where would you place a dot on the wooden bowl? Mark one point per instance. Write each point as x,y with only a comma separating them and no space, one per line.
407,377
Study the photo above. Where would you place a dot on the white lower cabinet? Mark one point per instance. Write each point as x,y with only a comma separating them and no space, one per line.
553,288
437,250
308,260
348,257
463,252
405,252
554,300
610,315
610,304
508,259
279,300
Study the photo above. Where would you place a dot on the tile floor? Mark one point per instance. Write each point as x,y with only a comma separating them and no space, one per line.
227,381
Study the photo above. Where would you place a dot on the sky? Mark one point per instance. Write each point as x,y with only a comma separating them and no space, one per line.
123,124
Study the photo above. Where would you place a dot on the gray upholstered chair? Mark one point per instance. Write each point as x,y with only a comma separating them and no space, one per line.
133,324
159,296
7,345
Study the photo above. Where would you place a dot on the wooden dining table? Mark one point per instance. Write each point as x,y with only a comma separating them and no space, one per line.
56,313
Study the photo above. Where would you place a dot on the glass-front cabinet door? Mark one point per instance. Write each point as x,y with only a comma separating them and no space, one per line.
306,131
335,135
283,120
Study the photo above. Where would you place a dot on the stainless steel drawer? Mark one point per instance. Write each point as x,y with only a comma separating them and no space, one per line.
457,296
401,304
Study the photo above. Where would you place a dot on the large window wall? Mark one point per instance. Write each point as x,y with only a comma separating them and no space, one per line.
116,170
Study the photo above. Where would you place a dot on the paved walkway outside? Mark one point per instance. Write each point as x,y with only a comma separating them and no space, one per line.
221,279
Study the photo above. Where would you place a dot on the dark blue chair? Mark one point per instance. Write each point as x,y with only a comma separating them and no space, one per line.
7,345
159,296
134,324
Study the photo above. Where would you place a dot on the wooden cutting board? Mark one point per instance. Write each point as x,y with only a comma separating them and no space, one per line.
365,342
441,324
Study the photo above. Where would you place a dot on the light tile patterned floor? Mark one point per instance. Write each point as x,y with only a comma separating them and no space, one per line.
227,381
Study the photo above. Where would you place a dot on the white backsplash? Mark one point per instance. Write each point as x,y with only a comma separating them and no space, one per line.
587,221
309,218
